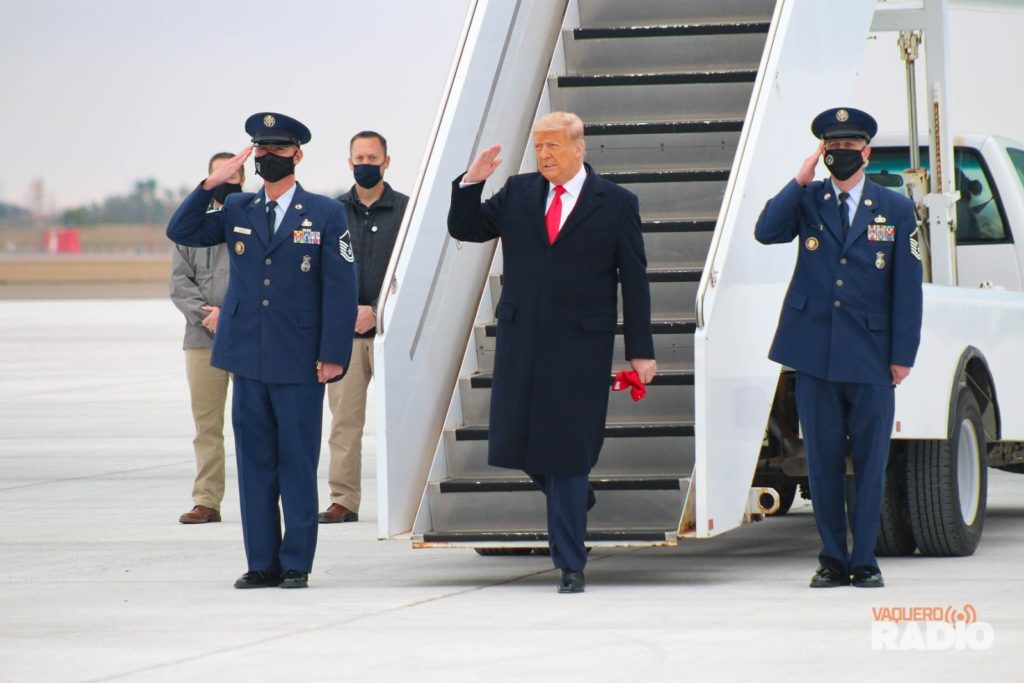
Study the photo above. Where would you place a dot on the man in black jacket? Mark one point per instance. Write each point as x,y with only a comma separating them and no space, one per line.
374,211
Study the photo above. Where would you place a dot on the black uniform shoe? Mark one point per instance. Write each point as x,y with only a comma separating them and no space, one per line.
829,577
571,582
258,580
591,498
294,579
867,577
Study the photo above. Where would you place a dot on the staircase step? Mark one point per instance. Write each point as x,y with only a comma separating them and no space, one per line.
679,30
678,326
667,176
677,78
681,225
664,49
533,538
484,380
651,98
611,431
654,457
500,484
596,13
663,127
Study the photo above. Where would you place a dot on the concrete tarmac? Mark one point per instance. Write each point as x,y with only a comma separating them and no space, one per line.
99,582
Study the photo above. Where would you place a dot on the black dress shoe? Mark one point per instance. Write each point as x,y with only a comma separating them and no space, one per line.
258,580
867,577
829,577
294,579
591,498
571,582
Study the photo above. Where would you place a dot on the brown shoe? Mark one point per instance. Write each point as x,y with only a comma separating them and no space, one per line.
200,515
337,514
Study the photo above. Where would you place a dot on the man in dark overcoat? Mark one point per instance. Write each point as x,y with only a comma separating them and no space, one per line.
850,327
568,239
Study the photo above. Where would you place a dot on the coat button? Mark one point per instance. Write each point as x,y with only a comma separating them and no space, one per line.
373,229
268,262
266,302
842,261
837,304
839,283
267,281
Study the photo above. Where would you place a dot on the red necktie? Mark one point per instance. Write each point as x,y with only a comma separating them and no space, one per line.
554,217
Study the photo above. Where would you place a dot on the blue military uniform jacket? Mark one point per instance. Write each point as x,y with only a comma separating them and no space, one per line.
290,302
853,307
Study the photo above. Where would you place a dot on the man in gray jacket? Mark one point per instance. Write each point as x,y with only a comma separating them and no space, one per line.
199,278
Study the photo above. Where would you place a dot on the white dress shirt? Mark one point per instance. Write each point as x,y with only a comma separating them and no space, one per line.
572,192
853,201
283,202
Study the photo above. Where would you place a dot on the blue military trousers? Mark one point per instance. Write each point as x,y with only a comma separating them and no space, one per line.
567,518
831,412
277,446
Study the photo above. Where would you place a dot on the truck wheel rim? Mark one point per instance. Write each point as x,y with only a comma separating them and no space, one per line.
967,473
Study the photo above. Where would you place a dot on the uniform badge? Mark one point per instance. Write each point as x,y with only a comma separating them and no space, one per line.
239,247
842,115
828,195
307,223
298,207
879,259
880,218
868,202
306,263
269,121
345,247
256,201
915,250
811,244
244,231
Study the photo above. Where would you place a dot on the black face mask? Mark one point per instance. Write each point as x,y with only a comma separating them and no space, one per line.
272,167
221,192
843,163
367,175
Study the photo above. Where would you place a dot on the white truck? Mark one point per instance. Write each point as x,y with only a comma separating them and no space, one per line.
699,108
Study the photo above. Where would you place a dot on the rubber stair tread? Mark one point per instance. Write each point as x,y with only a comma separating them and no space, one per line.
513,484
709,28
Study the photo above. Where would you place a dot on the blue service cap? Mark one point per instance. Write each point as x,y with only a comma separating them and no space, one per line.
844,122
270,128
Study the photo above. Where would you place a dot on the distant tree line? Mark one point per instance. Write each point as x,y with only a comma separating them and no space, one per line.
146,203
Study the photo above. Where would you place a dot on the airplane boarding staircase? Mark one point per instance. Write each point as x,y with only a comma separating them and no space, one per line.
663,87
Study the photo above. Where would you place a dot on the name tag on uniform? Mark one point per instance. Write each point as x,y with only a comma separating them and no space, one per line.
306,236
244,231
881,233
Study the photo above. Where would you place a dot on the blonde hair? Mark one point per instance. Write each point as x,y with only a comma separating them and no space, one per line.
558,121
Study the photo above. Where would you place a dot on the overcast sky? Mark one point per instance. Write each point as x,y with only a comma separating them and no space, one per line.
98,94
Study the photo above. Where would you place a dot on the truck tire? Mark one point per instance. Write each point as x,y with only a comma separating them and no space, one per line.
947,483
895,532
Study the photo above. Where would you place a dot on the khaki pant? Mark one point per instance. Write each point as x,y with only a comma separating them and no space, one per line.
208,387
347,399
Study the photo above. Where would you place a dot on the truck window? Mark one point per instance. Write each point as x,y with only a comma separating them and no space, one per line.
979,212
1017,157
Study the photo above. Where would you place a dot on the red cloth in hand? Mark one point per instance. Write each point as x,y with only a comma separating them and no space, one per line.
629,379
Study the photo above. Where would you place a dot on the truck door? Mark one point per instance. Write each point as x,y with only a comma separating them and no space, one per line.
985,251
